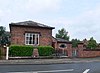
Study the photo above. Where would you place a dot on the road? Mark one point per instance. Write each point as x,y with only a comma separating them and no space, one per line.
84,67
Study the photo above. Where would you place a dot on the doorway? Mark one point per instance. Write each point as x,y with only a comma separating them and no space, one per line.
75,53
63,52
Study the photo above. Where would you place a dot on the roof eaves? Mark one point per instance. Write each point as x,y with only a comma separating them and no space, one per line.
41,26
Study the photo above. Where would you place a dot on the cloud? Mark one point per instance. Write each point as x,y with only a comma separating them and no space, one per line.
80,23
37,6
26,8
85,25
21,10
1,13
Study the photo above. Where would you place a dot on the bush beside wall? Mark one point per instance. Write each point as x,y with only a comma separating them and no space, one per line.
28,50
20,50
45,50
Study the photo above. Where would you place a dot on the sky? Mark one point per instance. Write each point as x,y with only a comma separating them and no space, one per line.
81,18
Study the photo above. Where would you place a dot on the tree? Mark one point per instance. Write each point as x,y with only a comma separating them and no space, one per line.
92,44
4,36
75,42
62,34
2,30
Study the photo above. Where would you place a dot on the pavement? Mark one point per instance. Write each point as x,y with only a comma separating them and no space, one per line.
50,61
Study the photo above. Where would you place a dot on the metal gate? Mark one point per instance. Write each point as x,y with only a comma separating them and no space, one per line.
63,52
75,53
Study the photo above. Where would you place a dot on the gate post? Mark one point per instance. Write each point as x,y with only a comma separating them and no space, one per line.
7,53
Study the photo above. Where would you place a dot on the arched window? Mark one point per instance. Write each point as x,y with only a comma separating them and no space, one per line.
62,45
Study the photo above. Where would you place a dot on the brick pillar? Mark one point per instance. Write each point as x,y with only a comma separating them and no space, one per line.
80,49
80,45
69,49
35,53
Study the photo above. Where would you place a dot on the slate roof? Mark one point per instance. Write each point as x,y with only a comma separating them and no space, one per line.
30,24
62,40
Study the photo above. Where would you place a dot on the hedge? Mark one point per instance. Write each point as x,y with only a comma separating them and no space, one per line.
28,50
20,50
45,50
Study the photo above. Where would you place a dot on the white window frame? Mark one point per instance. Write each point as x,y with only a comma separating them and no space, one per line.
35,41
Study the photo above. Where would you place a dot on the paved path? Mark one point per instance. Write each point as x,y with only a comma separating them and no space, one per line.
49,61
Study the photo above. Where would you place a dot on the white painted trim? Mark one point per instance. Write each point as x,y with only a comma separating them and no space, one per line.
25,39
7,53
54,71
67,70
38,39
36,35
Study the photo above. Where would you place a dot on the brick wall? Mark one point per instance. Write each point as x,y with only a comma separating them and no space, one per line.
87,53
90,54
18,35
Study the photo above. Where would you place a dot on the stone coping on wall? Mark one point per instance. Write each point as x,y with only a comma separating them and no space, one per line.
91,49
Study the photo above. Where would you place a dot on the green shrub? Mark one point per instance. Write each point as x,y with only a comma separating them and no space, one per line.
45,50
28,50
20,50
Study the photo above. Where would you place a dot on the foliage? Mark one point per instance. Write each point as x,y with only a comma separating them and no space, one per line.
92,44
75,43
20,50
2,30
28,50
4,36
62,34
5,39
45,50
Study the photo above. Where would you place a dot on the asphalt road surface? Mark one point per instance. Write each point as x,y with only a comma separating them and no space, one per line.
84,67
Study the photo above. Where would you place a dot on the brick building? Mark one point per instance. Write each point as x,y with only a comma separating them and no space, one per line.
31,33
63,47
36,34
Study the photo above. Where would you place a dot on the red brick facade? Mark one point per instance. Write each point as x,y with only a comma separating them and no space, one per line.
18,34
83,52
80,51
45,39
67,49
